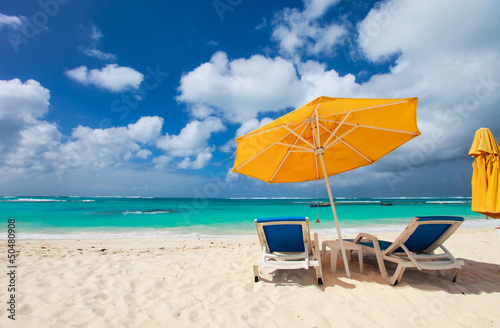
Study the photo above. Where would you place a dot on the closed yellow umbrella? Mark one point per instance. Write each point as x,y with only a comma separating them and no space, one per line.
486,174
324,137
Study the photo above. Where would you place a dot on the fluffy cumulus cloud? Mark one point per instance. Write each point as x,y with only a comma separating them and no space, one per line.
107,147
26,101
191,142
240,88
112,77
21,106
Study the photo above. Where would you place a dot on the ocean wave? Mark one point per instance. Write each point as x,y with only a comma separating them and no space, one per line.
45,200
149,212
448,202
37,200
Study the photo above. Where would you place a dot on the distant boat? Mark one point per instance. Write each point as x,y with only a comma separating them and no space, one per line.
319,205
385,204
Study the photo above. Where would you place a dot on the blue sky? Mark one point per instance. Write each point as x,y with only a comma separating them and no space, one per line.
146,98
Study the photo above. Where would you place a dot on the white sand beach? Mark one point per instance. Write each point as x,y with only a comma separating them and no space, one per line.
209,283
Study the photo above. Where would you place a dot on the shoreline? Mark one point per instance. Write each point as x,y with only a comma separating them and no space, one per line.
179,233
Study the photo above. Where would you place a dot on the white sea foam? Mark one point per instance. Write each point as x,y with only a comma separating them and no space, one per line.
37,200
148,212
447,202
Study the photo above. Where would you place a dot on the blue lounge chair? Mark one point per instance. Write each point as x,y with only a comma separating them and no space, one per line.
415,247
286,244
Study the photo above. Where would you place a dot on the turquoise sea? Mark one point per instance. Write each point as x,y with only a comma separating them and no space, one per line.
109,217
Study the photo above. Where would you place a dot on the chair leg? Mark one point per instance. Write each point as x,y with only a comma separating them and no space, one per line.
323,252
333,260
319,275
398,274
256,269
360,257
454,274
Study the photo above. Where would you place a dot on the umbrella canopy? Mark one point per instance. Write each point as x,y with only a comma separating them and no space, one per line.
486,174
348,133
324,137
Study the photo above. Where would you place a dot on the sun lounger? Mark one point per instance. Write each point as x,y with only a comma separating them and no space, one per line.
415,247
286,244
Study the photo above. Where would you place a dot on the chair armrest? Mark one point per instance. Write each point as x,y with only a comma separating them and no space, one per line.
362,235
447,252
373,239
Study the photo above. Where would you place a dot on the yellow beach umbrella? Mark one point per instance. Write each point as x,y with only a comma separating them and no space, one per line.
324,137
486,174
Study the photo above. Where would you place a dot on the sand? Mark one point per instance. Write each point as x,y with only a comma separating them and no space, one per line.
209,283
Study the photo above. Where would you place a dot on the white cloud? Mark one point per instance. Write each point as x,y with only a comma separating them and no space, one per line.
452,62
251,125
10,21
108,147
317,8
202,158
241,88
192,141
95,53
21,106
299,32
396,26
316,81
112,77
31,146
28,100
95,35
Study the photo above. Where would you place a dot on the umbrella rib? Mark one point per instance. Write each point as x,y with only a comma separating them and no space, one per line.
377,128
298,136
295,146
332,134
288,152
333,143
372,107
252,158
338,138
263,150
358,152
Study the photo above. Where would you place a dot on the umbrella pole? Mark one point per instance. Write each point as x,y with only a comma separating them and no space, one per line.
339,233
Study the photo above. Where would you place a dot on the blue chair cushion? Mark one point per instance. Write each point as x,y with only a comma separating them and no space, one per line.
426,234
423,237
284,237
